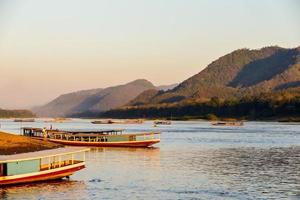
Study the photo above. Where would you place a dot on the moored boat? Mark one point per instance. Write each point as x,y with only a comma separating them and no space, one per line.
41,165
57,120
24,120
126,121
162,122
100,138
228,123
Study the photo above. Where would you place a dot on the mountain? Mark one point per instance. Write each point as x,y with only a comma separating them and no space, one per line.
96,100
239,73
64,104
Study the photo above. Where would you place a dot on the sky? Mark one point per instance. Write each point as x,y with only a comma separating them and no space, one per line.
51,47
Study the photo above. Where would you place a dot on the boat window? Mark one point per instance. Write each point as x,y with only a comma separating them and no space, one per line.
3,169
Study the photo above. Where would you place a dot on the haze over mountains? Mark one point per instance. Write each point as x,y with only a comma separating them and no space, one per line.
95,100
239,73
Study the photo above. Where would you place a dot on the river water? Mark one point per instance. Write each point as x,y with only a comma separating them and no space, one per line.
194,160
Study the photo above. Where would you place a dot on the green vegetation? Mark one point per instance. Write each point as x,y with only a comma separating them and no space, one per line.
264,106
239,73
16,114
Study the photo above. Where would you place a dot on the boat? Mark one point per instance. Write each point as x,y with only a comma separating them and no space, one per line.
162,122
57,120
107,121
41,165
110,121
98,138
24,120
228,123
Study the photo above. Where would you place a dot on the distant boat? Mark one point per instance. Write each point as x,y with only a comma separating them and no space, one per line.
57,120
110,121
100,138
41,165
289,119
162,122
24,120
227,123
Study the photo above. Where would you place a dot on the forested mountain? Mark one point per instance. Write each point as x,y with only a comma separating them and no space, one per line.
242,72
251,84
243,75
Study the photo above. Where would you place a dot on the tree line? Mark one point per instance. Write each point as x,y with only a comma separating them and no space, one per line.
15,113
263,106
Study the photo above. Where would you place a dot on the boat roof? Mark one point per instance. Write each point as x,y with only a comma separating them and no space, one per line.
80,134
90,131
32,128
76,130
41,154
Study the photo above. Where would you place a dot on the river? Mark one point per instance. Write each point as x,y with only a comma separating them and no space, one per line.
260,160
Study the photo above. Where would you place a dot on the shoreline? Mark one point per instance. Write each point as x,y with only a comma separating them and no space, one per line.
279,119
11,144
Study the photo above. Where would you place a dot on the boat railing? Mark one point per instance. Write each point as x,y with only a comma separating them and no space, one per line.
147,136
60,164
105,138
53,162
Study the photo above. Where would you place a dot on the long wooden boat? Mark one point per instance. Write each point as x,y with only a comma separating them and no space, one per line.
100,138
41,166
162,122
228,123
57,120
24,120
111,121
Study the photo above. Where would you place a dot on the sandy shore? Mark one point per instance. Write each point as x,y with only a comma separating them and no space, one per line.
13,144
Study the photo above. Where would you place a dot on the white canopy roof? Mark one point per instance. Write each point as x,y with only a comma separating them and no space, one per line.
42,154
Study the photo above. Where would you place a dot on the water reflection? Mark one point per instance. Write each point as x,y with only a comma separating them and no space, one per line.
60,189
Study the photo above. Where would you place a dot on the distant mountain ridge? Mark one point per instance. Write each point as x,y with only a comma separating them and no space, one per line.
94,100
239,73
64,103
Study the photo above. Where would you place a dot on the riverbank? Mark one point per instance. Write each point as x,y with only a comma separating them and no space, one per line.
13,144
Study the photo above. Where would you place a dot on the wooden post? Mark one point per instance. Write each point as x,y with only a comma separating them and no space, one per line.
59,161
49,163
72,159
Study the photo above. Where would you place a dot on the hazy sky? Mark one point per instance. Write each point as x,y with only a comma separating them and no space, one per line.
50,47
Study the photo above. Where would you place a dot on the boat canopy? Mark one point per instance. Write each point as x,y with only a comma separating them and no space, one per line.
42,154
108,131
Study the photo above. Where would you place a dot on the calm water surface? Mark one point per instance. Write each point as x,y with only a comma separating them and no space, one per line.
194,160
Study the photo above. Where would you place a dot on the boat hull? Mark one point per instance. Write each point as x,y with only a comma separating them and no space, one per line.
227,124
145,143
46,175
